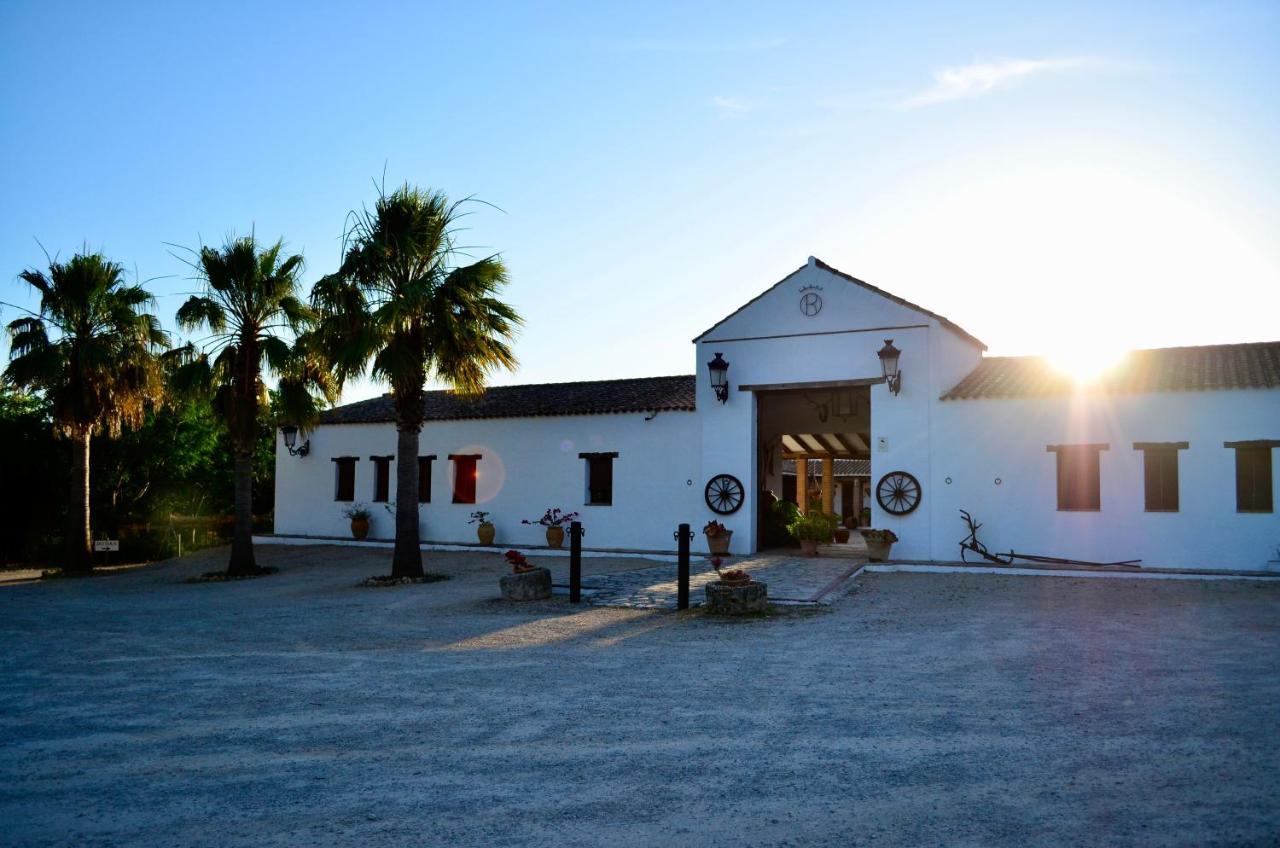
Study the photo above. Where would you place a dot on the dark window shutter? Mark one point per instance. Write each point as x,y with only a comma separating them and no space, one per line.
1253,480
424,479
1079,481
345,484
381,478
1160,470
600,480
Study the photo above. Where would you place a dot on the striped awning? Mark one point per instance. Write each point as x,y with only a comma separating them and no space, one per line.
826,444
841,467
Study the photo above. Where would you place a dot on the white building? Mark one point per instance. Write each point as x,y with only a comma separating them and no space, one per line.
1168,460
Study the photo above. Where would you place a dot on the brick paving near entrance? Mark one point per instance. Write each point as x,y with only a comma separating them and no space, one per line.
792,579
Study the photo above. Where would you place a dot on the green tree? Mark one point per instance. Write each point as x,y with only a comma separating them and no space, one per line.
252,312
91,351
402,304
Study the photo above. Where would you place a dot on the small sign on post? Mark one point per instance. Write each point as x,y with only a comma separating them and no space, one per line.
112,545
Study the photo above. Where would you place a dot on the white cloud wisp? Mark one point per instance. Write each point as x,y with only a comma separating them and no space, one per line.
976,79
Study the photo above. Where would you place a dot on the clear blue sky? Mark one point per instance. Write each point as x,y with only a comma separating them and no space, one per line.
1045,176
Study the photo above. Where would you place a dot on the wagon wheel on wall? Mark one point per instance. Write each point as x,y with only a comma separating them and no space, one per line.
898,493
724,494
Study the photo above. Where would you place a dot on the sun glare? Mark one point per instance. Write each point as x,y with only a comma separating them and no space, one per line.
1086,364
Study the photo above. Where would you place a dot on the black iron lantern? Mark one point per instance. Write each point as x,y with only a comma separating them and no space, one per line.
719,377
290,433
889,366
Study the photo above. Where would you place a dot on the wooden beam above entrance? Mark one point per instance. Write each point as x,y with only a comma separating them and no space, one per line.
823,384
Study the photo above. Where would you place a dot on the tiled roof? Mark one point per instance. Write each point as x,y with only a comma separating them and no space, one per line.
841,467
595,397
818,263
1169,369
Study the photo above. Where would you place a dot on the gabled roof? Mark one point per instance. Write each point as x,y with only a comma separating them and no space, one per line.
1170,369
594,397
818,263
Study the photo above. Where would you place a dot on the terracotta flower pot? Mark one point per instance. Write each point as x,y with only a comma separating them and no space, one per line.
359,527
808,547
878,551
555,536
842,535
720,544
485,532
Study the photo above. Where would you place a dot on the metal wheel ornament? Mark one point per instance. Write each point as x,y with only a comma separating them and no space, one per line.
898,493
724,494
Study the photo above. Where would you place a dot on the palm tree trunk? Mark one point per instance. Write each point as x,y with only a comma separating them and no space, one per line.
407,560
242,561
79,536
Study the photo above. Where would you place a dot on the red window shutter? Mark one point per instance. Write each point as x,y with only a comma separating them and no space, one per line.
464,479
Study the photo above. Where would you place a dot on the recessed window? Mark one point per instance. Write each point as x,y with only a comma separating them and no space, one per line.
464,477
1160,474
1253,475
424,478
381,478
344,476
1079,482
599,478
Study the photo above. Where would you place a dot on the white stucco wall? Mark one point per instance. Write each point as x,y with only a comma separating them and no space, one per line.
771,342
663,466
977,441
528,465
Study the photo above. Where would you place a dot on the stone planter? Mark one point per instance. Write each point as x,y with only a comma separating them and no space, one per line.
555,536
485,532
736,599
808,547
359,528
720,544
878,551
532,585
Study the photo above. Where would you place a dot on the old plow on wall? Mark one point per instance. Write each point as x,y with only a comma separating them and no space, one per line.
971,546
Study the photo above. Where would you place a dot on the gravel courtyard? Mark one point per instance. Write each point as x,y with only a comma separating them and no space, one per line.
297,709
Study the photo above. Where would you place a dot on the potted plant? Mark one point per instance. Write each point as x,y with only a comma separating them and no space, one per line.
718,537
554,520
878,543
484,527
525,582
735,593
810,531
359,515
842,534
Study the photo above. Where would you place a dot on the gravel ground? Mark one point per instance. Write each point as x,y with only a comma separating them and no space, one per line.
296,709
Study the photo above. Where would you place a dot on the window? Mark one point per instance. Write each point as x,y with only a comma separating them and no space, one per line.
464,477
1253,475
424,478
1160,474
599,478
344,486
381,478
1079,484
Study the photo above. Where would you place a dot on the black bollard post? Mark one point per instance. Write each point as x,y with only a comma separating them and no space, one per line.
683,537
575,562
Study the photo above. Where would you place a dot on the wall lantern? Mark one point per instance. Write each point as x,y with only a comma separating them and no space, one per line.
719,377
889,365
291,438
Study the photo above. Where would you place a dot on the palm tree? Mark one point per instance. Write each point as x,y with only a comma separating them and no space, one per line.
401,303
91,350
249,304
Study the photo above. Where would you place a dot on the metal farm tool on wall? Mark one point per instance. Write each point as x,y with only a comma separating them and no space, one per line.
971,544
